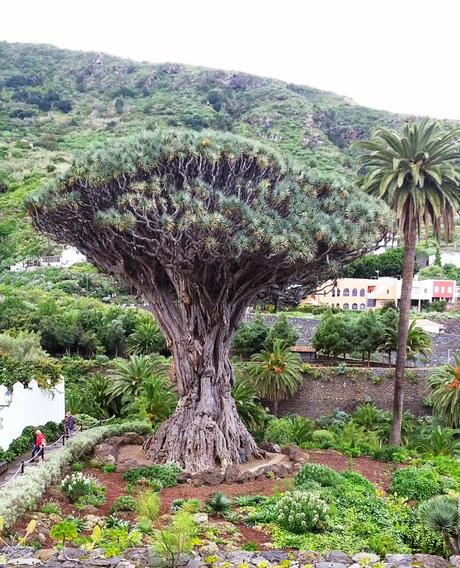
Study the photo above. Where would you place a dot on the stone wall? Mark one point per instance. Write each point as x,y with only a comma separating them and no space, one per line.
323,390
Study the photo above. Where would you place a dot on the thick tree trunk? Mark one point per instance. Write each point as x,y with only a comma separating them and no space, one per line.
403,326
205,431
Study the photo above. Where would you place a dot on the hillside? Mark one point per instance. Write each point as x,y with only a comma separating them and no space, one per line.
54,102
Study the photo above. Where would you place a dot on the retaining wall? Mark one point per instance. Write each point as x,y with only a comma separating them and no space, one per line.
323,391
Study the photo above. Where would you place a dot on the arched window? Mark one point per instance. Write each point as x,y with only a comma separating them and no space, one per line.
354,292
333,292
338,306
346,292
362,306
354,307
362,292
346,307
338,292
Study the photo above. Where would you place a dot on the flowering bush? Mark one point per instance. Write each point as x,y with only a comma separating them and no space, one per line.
77,485
25,490
300,512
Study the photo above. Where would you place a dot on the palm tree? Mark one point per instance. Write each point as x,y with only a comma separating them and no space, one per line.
146,339
276,373
418,341
156,401
247,404
128,377
445,393
414,171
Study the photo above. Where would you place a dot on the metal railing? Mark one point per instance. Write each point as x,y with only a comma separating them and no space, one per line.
41,453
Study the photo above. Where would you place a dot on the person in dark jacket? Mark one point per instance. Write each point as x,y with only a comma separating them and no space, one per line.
69,423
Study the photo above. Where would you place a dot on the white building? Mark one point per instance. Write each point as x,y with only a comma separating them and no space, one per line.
69,256
447,258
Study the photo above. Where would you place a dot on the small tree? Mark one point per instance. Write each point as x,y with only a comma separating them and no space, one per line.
389,319
250,337
276,374
282,330
370,334
334,335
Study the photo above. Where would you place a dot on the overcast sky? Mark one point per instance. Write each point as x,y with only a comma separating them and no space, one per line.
397,55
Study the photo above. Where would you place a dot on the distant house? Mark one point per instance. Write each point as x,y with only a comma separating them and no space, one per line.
68,257
369,293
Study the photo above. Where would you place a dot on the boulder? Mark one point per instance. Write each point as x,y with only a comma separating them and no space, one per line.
184,477
201,518
210,549
123,464
338,556
131,439
431,561
270,447
398,559
295,454
232,474
209,477
105,452
330,565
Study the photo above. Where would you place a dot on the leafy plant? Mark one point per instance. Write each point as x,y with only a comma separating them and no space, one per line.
445,393
247,404
301,511
50,508
218,503
123,503
438,441
175,539
322,474
148,504
416,483
165,475
63,532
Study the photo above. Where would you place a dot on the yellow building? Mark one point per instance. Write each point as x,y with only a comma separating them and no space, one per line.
358,293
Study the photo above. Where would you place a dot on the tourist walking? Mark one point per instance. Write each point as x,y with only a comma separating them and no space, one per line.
39,444
69,423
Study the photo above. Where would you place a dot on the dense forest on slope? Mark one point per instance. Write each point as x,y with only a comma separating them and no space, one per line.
54,102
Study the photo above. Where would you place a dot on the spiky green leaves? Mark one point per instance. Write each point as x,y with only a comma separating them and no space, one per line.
193,199
415,171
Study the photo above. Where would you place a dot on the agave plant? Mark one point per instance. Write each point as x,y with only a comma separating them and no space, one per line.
218,503
440,514
445,393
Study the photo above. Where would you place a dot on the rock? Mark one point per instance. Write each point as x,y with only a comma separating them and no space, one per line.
232,474
309,557
91,521
209,549
431,561
125,564
365,558
24,562
398,559
210,477
330,565
241,557
131,439
201,518
273,556
195,562
455,561
71,554
338,556
123,464
184,477
137,555
269,447
17,551
295,454
44,554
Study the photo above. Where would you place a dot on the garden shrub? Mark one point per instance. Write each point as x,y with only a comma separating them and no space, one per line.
417,483
123,503
289,430
357,480
300,511
163,475
322,474
324,438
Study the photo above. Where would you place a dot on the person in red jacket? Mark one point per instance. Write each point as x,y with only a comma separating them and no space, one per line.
39,444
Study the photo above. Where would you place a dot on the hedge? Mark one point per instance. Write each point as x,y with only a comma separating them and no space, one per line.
22,494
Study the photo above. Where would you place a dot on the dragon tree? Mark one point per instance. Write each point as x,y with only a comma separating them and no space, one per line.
200,223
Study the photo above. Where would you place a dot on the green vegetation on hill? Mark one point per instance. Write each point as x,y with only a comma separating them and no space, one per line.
55,102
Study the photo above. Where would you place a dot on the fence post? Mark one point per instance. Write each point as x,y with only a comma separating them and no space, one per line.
22,467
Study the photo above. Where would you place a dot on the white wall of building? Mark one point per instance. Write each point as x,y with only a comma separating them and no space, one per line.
30,406
447,258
